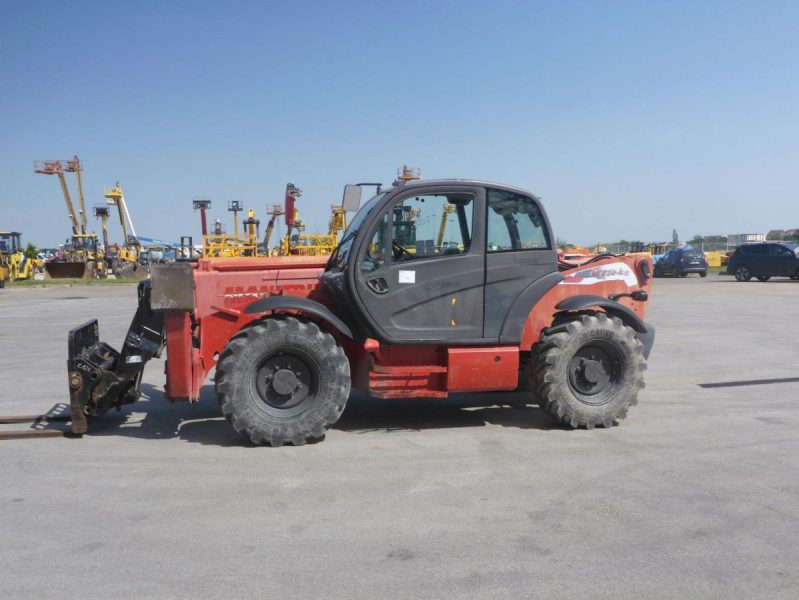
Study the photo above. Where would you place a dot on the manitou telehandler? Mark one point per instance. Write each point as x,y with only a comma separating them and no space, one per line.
491,309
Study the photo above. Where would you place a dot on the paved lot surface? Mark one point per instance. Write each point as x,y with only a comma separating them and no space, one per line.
695,495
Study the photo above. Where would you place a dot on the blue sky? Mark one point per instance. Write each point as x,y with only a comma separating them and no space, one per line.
628,118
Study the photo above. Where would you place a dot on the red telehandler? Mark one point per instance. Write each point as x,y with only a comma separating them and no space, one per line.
397,311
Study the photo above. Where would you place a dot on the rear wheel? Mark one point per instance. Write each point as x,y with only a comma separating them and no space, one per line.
588,372
763,277
743,273
282,380
703,274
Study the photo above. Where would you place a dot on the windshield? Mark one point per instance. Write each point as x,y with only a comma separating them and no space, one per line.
339,256
83,243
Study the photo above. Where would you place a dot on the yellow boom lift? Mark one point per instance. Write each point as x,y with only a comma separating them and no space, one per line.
80,251
448,210
131,249
277,211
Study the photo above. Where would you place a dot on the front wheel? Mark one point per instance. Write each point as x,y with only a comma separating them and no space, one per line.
743,273
703,274
588,373
282,380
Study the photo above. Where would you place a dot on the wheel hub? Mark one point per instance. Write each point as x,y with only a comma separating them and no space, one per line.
283,381
594,372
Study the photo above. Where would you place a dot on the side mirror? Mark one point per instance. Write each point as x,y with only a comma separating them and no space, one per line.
352,198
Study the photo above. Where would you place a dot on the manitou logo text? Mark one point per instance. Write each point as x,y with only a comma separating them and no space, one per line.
234,295
611,272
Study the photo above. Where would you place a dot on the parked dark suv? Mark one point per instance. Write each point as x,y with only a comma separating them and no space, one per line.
680,262
764,261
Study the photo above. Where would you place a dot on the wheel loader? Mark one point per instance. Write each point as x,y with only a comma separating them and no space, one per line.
14,264
486,307
79,259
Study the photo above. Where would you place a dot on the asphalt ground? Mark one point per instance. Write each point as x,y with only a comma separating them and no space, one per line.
694,495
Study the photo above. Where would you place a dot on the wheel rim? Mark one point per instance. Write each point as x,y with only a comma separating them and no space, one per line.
596,372
285,383
742,273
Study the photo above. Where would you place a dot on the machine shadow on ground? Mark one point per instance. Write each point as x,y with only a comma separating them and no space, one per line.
154,417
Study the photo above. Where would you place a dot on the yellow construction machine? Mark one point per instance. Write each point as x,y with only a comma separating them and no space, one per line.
14,264
223,245
219,244
298,243
78,258
131,247
123,261
308,244
448,209
277,211
80,253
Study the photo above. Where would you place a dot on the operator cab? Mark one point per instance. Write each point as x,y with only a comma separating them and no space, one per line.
10,242
441,262
84,243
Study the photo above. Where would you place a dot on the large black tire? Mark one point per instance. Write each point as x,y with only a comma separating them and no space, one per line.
703,273
743,273
763,277
282,380
588,370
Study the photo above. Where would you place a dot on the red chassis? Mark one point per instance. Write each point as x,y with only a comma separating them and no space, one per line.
223,288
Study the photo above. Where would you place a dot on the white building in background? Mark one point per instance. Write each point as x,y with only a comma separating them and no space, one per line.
736,239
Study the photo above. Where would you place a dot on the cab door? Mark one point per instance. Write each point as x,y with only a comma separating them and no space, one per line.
419,271
519,252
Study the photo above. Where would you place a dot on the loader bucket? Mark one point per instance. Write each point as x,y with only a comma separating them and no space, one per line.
67,270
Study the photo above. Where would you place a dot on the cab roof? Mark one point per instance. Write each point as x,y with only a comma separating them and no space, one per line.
475,182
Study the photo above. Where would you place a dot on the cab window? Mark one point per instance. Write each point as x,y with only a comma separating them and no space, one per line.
430,226
375,255
515,223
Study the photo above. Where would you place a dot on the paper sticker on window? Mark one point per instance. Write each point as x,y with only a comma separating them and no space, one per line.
407,276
